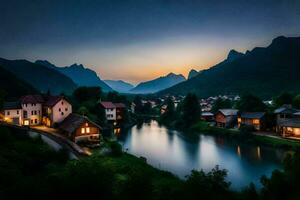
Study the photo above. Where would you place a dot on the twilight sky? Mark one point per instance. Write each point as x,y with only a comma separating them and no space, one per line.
137,40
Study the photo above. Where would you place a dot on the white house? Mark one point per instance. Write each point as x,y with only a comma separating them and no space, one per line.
55,110
33,110
110,110
13,113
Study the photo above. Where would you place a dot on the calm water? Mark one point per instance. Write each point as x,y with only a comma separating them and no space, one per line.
171,151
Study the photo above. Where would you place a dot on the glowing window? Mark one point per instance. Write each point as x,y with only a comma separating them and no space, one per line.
87,130
256,121
82,130
26,122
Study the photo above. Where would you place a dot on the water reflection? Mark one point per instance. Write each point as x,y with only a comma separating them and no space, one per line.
170,150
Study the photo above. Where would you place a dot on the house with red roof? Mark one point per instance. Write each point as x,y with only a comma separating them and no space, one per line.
113,111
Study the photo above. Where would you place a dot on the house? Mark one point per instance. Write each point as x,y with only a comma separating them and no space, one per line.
113,111
251,118
207,116
55,110
12,113
110,110
33,110
80,129
226,118
120,110
287,121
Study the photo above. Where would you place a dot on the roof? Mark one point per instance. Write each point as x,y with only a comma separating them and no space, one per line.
32,99
52,100
286,109
12,105
207,114
107,104
252,115
229,112
74,121
120,105
291,122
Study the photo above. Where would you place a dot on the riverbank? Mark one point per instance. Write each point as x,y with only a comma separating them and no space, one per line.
266,140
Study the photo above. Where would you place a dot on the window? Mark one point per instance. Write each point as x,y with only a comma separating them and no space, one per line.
31,121
82,130
281,116
62,103
35,112
35,121
32,112
17,112
59,109
32,104
87,130
62,113
39,112
66,109
8,113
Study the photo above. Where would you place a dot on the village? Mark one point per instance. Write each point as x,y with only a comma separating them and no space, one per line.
54,114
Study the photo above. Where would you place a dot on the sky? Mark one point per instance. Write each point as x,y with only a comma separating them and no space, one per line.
138,40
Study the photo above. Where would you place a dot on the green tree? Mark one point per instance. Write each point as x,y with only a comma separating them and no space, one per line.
83,94
191,110
170,113
284,98
220,104
250,103
296,101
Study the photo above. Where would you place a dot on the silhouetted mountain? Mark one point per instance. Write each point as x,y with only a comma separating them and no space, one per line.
40,77
192,73
262,71
119,85
12,86
233,55
80,75
158,84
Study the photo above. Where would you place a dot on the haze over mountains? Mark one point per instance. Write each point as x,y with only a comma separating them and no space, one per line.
119,85
158,84
79,74
262,71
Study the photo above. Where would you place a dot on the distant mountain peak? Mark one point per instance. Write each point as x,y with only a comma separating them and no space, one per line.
77,65
192,73
233,55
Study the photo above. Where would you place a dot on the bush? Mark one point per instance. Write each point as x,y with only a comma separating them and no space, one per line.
116,148
246,130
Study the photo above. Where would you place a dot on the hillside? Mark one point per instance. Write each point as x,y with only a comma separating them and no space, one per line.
39,76
119,85
158,84
79,74
263,71
193,73
12,86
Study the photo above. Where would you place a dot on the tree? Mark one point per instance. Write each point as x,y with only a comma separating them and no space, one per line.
284,98
169,114
83,94
190,110
221,103
296,101
2,96
250,103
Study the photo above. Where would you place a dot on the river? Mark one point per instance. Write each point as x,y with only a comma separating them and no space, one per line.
171,151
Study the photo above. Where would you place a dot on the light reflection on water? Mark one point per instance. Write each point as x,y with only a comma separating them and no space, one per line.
171,151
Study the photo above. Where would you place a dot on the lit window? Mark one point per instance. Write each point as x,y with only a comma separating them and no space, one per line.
239,120
87,130
256,121
82,130
86,124
26,122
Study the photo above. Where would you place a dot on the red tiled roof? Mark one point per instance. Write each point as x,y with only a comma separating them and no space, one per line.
107,104
32,99
120,105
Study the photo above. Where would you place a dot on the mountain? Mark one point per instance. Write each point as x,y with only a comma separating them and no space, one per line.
264,71
192,73
79,74
40,77
158,84
12,86
119,86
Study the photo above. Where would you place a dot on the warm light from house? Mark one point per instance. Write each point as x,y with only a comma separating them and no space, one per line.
26,122
86,124
82,130
258,153
239,151
239,120
256,121
87,130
